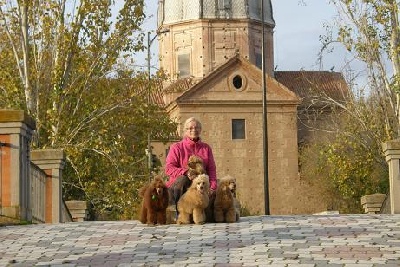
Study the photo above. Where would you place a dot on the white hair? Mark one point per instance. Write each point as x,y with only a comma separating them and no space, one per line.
191,119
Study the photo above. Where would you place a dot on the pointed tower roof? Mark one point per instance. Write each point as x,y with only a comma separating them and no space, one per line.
200,35
174,11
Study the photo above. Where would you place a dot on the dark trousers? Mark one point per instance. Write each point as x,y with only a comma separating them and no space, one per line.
177,189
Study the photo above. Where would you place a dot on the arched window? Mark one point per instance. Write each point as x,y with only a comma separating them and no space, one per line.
184,65
225,8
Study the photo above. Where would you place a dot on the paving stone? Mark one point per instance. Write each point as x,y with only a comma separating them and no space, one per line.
323,240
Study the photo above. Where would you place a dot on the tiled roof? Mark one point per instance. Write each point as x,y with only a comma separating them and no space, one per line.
180,85
142,86
157,96
311,84
305,84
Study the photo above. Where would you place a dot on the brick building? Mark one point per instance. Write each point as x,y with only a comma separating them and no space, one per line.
212,53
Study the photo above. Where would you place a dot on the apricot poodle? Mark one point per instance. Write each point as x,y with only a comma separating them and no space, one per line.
226,206
193,202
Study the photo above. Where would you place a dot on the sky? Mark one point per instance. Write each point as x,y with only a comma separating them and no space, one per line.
297,32
299,24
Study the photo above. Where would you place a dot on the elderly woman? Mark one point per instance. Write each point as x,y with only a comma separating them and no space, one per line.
177,159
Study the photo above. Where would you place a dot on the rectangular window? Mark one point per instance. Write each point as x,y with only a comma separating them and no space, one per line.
259,60
224,4
238,129
184,65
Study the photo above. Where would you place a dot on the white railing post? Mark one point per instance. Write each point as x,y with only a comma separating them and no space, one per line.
52,162
392,154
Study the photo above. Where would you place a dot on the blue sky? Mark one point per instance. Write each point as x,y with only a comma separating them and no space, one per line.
299,24
297,31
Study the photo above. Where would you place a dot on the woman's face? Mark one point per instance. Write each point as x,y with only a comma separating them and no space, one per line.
193,130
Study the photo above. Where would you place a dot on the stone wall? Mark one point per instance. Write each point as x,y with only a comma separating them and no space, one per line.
16,130
372,204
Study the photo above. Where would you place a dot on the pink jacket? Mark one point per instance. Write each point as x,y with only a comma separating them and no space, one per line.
178,156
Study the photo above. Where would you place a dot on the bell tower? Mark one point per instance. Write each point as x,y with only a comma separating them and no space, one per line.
197,36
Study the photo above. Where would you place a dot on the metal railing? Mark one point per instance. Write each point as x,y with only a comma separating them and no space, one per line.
38,195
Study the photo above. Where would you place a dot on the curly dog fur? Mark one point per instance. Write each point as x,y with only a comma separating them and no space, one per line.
182,183
194,201
210,208
195,166
155,199
226,206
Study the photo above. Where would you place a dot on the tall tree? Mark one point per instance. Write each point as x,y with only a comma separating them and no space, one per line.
61,48
349,159
370,30
69,64
345,157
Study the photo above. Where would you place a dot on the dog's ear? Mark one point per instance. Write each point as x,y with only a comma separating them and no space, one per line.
192,172
199,168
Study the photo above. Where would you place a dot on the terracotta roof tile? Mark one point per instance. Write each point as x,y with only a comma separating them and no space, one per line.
312,84
305,84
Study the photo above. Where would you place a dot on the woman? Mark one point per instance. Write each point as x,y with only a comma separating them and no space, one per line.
176,162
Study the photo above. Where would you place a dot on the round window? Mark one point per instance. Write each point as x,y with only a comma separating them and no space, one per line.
237,82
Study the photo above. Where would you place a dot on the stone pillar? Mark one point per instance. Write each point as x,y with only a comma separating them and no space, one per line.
372,204
392,154
78,210
16,129
52,162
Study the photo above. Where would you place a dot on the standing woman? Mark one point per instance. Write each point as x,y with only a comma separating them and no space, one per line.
177,159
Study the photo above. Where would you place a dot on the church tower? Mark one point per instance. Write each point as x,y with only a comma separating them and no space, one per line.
197,36
212,52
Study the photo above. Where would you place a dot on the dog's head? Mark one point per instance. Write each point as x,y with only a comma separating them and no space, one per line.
195,166
229,182
158,186
201,183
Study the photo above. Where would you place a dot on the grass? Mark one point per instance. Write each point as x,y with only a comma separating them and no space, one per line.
8,221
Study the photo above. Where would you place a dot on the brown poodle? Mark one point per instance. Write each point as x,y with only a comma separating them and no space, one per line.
195,166
226,206
154,203
193,202
210,208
